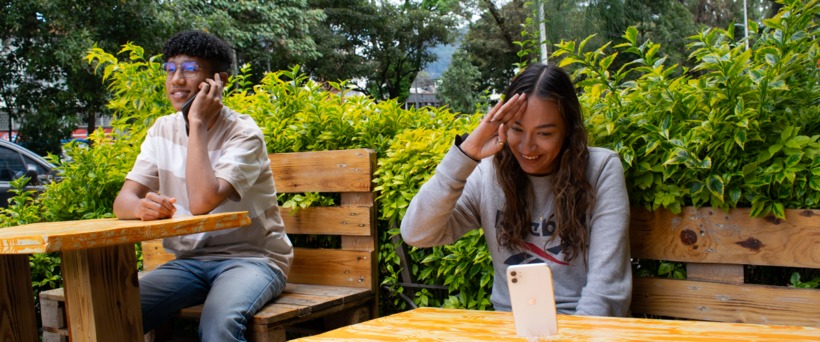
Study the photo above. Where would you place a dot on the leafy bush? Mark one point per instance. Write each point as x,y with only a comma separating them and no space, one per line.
739,130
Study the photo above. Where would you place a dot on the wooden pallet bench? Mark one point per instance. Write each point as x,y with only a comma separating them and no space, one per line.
326,286
715,245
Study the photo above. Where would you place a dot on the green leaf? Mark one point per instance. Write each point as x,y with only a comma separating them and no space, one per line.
779,210
715,185
665,268
740,138
631,35
773,149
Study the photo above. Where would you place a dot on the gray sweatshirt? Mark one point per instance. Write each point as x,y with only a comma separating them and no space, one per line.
464,195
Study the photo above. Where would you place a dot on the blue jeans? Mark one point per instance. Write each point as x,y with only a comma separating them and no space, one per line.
232,290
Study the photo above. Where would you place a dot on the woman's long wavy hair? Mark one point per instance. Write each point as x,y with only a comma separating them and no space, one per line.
573,195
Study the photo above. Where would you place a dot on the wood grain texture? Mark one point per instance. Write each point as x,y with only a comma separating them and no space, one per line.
707,235
323,171
102,294
298,300
73,235
433,324
332,267
17,319
718,273
365,243
352,220
742,303
154,255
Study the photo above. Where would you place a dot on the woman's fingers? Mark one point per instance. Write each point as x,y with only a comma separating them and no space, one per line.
503,111
491,114
512,107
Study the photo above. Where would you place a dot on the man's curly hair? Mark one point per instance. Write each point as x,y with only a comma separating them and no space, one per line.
202,45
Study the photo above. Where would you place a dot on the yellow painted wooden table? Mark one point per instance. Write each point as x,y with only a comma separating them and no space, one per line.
99,269
433,324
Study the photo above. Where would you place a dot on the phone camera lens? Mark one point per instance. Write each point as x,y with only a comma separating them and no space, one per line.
515,280
513,273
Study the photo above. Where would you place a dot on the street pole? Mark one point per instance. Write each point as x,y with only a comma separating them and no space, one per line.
746,23
542,28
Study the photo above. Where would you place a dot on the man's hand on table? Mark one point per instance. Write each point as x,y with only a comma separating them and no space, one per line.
155,207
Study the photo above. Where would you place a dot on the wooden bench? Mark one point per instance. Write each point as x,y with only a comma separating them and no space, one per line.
334,287
715,246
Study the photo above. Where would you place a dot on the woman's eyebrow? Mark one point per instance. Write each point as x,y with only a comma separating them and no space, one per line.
546,125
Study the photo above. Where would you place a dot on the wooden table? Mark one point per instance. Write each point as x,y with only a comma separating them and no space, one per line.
433,324
99,269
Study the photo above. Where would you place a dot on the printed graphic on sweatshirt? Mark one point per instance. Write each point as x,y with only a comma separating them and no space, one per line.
534,253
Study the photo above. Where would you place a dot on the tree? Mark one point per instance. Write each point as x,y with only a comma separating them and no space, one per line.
400,44
48,88
490,42
341,40
721,13
381,45
20,30
51,89
269,35
460,84
666,22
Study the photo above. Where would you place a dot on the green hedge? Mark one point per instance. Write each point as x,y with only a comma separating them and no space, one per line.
739,130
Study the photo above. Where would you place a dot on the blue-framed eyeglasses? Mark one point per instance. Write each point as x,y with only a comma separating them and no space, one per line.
189,69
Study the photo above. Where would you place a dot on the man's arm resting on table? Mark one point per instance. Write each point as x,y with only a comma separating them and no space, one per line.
137,201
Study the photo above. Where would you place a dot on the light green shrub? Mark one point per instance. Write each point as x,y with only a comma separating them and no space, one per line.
740,130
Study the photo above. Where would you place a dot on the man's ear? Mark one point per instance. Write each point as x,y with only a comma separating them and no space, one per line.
224,76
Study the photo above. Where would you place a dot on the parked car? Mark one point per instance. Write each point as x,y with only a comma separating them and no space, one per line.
17,161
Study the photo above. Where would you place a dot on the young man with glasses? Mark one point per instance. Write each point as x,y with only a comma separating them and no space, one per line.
214,160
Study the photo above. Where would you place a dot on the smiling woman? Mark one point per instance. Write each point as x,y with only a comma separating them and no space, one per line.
526,177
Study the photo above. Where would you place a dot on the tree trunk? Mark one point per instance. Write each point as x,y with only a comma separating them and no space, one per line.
499,20
91,122
701,13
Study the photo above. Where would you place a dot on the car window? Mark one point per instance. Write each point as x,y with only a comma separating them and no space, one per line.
10,164
41,170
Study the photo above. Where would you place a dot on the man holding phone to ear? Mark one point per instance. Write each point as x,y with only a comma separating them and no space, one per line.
210,160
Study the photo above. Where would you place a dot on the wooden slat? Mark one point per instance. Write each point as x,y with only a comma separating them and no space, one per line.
332,267
296,301
262,320
323,171
17,319
707,235
746,303
48,237
154,255
338,220
718,273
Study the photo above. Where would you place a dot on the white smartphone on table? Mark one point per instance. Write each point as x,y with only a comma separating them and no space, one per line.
532,299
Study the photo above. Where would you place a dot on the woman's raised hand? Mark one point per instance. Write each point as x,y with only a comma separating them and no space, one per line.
491,134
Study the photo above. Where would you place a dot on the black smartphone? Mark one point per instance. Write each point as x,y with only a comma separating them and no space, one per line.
185,108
